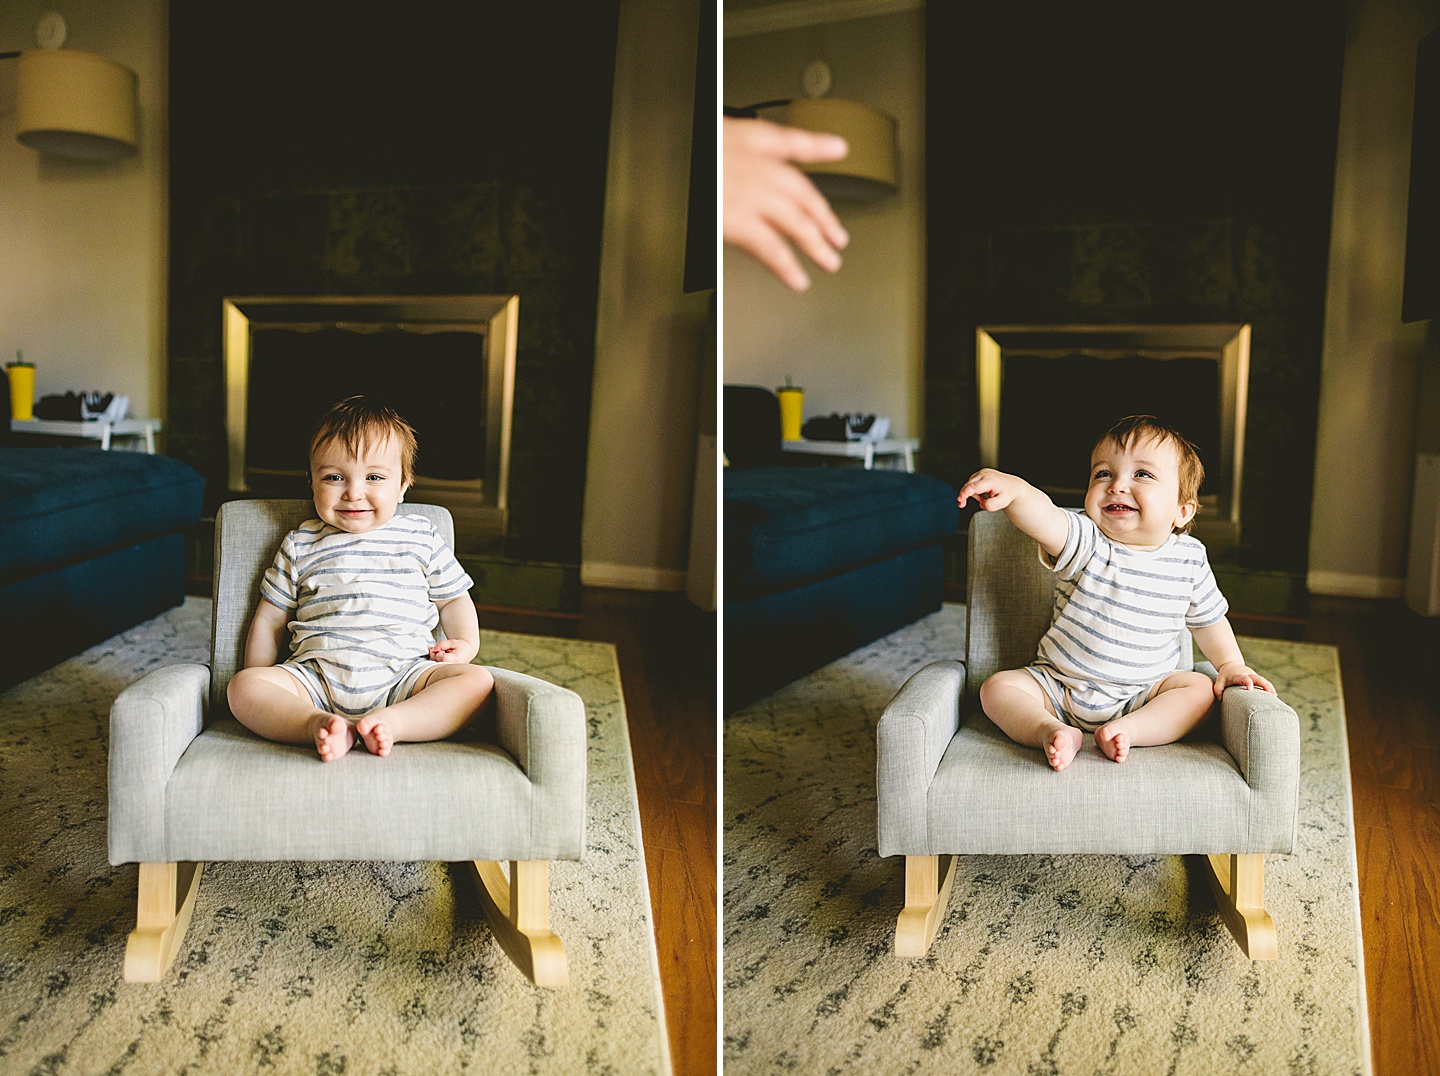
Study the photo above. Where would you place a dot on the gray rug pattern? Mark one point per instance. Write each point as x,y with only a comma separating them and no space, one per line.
1044,964
325,968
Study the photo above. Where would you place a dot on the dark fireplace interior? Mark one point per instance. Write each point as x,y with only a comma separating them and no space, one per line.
1053,407
295,375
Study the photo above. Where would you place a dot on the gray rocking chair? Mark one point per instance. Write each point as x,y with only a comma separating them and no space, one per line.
950,782
189,783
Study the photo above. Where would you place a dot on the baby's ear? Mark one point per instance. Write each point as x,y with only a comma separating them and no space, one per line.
1185,514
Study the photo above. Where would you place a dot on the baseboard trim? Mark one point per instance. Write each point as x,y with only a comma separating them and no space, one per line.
1348,585
630,577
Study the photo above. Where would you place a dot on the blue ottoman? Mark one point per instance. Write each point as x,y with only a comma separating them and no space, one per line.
821,560
91,543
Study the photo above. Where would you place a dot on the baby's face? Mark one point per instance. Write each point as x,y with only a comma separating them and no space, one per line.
357,495
1134,492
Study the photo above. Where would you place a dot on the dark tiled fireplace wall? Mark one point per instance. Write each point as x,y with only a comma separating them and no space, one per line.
1138,163
443,149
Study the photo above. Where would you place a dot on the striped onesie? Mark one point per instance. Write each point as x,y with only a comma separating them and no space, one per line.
363,608
1119,621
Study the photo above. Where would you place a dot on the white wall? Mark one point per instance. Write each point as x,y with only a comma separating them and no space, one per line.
650,334
83,271
1365,446
856,340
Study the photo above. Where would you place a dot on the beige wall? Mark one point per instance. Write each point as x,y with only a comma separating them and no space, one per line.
1366,439
650,334
855,341
83,271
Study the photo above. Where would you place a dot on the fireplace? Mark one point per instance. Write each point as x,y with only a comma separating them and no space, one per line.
445,363
1046,392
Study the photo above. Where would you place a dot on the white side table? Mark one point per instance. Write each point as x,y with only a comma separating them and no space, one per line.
93,431
859,450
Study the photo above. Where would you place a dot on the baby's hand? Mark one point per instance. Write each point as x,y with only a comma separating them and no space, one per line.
993,489
453,650
1238,674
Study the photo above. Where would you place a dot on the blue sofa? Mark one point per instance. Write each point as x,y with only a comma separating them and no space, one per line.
91,543
818,560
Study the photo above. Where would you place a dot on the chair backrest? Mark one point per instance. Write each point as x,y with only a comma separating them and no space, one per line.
1011,601
247,536
752,427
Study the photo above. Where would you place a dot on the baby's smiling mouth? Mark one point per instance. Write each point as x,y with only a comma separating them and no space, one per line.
1117,508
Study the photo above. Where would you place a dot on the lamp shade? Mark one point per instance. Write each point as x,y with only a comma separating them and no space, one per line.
869,169
75,104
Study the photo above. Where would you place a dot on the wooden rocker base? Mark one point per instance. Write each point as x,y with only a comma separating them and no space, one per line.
518,908
1239,885
1238,882
166,899
926,896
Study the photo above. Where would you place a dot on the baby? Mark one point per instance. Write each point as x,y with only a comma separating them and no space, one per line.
359,591
1130,580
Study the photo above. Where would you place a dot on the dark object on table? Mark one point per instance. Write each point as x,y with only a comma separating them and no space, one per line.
67,408
832,427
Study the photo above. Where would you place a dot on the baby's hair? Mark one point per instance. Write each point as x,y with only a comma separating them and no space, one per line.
1134,428
357,421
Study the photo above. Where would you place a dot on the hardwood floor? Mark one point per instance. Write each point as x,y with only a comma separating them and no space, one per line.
1390,672
667,650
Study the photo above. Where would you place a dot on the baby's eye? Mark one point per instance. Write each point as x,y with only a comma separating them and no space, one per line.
330,478
375,478
1102,473
1142,473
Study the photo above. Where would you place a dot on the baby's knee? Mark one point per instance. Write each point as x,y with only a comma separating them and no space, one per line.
1001,680
479,680
239,685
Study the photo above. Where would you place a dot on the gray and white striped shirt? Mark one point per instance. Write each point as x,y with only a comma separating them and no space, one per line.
1120,613
363,602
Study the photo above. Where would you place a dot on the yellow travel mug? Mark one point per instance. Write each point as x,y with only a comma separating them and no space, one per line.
22,389
792,400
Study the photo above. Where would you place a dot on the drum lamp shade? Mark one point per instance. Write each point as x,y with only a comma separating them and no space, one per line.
75,104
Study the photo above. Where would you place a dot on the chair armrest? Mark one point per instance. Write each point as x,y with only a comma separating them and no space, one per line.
914,732
1262,734
545,729
152,722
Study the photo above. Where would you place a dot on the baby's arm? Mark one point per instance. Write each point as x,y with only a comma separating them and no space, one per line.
1027,507
1217,643
462,630
266,643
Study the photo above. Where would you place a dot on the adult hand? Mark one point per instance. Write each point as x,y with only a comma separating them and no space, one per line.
769,203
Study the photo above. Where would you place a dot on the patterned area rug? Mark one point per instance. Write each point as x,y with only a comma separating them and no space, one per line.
322,968
1044,964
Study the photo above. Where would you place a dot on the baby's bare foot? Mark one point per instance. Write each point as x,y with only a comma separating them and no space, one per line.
1061,746
376,734
1114,742
333,736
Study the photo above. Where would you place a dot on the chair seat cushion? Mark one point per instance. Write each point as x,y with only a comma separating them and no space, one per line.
992,795
235,796
786,526
60,505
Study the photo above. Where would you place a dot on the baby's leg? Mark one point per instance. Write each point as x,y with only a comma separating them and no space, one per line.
272,703
1016,703
1176,705
445,698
